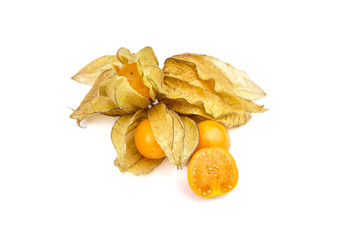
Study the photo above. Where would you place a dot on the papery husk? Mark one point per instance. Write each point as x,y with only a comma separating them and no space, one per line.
197,112
210,89
125,97
191,138
98,104
147,56
146,63
91,72
222,76
111,94
177,136
129,158
155,77
215,104
141,167
94,103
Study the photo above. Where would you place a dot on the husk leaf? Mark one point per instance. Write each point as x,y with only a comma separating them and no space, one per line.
178,138
145,58
141,167
90,73
191,139
109,89
197,112
223,76
126,97
215,104
155,77
94,103
98,104
122,136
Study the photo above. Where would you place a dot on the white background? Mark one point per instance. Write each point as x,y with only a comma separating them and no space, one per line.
299,163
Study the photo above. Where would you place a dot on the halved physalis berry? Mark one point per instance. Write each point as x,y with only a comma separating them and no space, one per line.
212,172
131,72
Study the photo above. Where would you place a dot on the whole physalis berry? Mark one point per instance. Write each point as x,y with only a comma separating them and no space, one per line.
212,172
145,141
213,134
130,71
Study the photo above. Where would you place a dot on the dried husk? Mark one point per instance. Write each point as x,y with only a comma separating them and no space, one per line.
197,112
91,72
223,76
146,63
210,89
98,104
111,94
216,105
177,136
124,96
155,77
128,157
141,167
147,56
94,103
191,138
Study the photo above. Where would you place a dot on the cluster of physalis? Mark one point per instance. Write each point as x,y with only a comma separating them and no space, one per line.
180,112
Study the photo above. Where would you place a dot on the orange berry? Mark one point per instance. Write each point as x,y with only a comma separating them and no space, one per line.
145,141
213,134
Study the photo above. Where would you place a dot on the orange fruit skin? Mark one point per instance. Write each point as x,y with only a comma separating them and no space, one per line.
131,72
145,141
212,172
213,134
